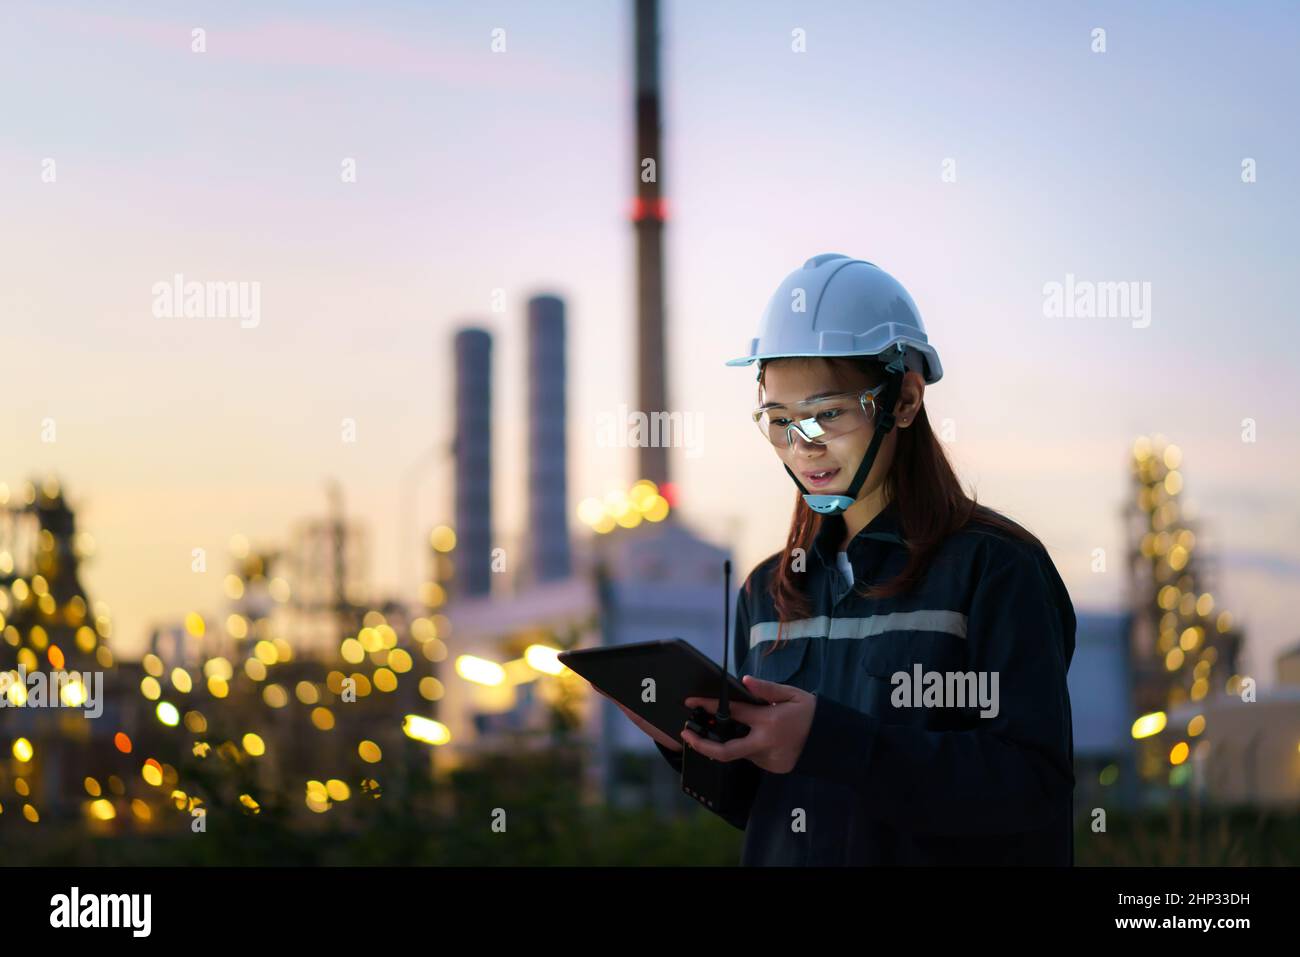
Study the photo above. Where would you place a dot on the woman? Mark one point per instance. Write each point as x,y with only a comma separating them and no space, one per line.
911,644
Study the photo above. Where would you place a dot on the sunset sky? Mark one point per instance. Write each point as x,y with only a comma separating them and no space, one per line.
481,171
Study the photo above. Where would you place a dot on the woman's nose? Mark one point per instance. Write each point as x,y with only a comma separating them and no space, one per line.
799,440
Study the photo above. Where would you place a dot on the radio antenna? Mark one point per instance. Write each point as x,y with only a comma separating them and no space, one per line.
723,712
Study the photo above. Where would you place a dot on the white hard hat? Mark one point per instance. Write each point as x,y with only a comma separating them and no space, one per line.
837,306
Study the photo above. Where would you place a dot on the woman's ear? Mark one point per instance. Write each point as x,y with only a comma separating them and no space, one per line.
909,399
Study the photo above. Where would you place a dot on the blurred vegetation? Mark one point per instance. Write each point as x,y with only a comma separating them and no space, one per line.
1186,835
408,820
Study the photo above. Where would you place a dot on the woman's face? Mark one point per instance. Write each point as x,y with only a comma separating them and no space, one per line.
796,379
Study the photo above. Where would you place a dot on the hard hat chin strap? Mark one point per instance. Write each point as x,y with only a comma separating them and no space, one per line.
835,504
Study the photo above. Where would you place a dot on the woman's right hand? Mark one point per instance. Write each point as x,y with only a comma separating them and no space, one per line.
670,743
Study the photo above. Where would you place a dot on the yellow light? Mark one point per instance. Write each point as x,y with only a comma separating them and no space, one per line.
234,587
266,652
237,626
194,624
385,680
322,718
1173,483
479,670
102,810
73,694
425,729
1149,724
431,688
1196,726
168,714
543,658
352,651
254,745
23,750
337,790
1174,660
399,659
181,680
657,510
642,494
85,639
218,668
1179,753
1173,456
275,696
318,797
150,688
370,752
306,692
590,511
217,687
15,691
152,773
92,787
443,539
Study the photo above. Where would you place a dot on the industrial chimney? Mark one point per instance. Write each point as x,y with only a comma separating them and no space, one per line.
473,452
548,512
648,220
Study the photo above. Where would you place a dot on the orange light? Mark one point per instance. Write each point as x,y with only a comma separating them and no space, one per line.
56,657
122,742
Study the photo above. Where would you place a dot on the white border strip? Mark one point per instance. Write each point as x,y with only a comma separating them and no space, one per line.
949,622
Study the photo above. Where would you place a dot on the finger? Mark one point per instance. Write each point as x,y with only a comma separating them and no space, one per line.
722,751
770,690
742,711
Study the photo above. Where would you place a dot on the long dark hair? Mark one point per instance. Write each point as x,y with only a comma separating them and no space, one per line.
930,501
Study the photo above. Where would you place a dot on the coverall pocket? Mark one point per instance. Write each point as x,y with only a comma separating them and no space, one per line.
898,700
778,664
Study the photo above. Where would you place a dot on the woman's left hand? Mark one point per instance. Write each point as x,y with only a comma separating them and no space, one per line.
777,731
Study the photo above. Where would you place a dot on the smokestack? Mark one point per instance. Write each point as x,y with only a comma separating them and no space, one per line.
473,452
548,510
648,220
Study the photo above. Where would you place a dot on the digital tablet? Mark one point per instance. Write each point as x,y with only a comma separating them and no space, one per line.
678,670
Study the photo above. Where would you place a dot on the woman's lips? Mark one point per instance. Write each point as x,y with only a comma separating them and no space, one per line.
823,480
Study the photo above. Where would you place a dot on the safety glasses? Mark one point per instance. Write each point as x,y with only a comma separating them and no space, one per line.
818,421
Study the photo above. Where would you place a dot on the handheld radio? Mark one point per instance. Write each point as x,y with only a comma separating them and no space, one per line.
724,787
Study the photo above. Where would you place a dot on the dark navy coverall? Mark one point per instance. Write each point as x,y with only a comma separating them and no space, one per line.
879,784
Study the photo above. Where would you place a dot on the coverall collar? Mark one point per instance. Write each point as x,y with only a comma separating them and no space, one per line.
884,527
